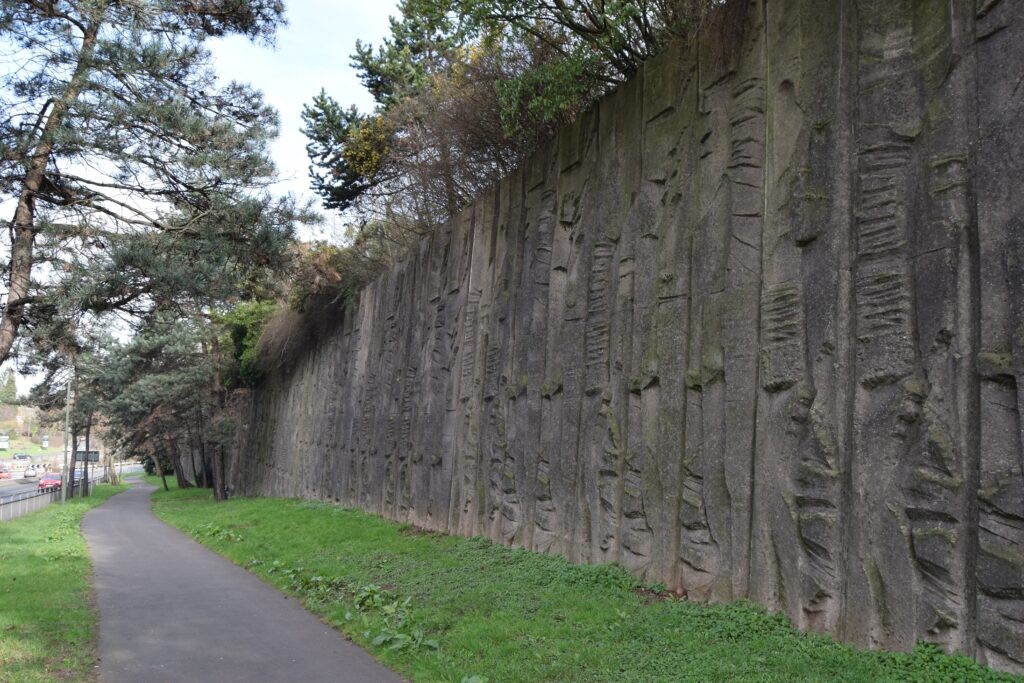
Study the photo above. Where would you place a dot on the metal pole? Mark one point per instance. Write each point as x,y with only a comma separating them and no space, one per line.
67,426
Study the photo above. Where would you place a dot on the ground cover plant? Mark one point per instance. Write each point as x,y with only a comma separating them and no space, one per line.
47,621
443,608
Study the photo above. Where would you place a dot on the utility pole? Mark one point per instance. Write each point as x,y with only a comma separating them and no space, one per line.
67,426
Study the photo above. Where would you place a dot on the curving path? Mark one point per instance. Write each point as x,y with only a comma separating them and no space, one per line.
171,610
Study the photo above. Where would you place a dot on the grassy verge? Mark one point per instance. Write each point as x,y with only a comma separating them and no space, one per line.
442,608
47,622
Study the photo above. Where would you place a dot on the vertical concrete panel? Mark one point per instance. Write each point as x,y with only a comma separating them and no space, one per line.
795,561
1000,215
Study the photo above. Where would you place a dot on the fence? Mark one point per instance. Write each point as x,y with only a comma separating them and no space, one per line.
25,502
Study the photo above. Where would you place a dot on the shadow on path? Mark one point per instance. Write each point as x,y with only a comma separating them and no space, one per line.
171,610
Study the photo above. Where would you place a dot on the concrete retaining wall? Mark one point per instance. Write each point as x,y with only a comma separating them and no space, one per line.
753,327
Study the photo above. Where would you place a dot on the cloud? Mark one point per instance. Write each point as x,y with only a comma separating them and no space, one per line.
312,52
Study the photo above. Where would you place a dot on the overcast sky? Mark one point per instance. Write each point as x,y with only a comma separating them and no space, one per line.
312,52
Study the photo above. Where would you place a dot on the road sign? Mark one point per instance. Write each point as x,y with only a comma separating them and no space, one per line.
89,456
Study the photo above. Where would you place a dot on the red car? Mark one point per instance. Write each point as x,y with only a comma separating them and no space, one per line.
5,473
49,482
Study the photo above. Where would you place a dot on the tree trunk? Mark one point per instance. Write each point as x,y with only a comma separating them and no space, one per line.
71,477
204,455
204,460
24,223
192,448
74,461
85,475
219,490
110,469
159,470
179,473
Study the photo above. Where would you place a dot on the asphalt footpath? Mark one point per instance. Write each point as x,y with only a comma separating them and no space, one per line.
171,610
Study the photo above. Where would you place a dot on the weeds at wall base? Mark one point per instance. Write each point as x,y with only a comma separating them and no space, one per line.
442,608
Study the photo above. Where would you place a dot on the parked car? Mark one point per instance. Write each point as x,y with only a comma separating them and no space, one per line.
5,473
29,473
20,461
49,482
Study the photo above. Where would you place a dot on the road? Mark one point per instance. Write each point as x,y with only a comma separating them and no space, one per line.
11,489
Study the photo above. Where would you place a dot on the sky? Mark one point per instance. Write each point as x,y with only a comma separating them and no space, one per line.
311,53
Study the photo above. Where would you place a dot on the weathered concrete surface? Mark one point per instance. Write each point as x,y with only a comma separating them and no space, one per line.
753,327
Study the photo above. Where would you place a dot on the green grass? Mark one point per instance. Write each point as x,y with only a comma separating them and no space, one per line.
24,445
442,608
47,622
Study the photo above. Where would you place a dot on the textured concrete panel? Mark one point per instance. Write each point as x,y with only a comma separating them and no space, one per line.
753,327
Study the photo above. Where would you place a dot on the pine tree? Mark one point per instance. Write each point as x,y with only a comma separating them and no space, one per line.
8,389
115,127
